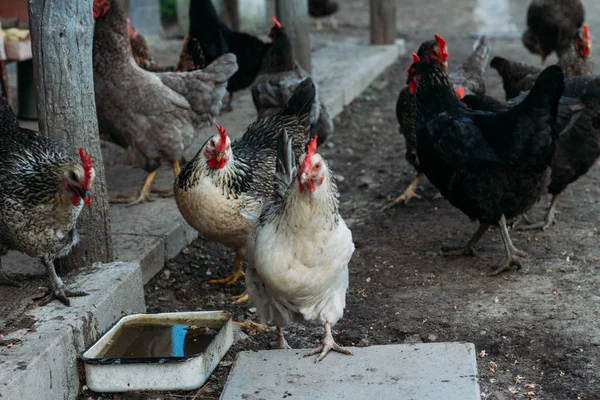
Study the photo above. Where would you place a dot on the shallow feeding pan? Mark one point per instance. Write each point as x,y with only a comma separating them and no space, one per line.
169,351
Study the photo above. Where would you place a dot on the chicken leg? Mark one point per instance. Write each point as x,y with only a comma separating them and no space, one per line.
57,289
282,344
142,197
327,345
236,273
228,107
469,249
408,194
513,255
548,221
169,192
543,62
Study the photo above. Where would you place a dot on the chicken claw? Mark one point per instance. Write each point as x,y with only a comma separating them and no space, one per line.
547,222
61,293
328,345
408,194
253,328
514,256
241,298
236,273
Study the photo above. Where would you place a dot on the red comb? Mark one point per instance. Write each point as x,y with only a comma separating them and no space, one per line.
223,141
586,32
276,21
100,8
311,149
460,92
441,42
415,57
86,163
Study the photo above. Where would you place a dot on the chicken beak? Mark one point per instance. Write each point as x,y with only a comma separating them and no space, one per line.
304,178
83,193
445,64
219,157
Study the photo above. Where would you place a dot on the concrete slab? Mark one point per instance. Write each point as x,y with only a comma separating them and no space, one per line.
45,360
421,371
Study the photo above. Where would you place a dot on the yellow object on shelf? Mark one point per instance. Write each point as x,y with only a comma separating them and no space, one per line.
12,34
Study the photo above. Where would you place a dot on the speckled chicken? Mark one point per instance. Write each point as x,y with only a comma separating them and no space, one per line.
467,78
42,192
551,25
279,76
299,249
158,115
224,185
518,77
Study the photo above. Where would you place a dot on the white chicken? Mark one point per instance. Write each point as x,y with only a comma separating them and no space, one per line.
299,249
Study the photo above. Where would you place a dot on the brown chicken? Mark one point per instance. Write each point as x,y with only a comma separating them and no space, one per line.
551,25
42,192
157,115
221,190
518,77
279,76
190,57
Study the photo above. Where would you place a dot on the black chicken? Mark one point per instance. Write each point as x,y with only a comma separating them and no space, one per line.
578,144
551,25
217,39
491,166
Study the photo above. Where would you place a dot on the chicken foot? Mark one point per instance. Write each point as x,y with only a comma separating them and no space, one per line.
142,197
282,344
252,327
514,256
327,345
547,222
236,273
469,248
408,194
57,289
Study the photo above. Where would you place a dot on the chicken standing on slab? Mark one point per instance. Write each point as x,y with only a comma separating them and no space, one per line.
518,77
190,57
224,185
157,115
467,78
217,39
279,76
299,249
42,192
491,166
551,25
578,144
323,8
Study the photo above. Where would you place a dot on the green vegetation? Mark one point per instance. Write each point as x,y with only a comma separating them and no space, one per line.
168,9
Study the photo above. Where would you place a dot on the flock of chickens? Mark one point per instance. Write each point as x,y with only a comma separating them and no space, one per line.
269,195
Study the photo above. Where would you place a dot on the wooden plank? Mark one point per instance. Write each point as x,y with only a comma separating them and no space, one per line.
383,21
293,15
62,35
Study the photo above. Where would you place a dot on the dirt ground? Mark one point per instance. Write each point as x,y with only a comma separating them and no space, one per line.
536,330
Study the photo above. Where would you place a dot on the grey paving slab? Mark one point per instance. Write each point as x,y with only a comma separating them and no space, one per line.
396,372
43,365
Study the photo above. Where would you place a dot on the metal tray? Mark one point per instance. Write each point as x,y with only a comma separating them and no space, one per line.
187,372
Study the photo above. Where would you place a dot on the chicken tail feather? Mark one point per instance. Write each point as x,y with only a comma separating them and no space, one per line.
301,102
286,164
547,91
481,52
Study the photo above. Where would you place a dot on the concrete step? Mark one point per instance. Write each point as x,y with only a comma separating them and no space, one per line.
402,371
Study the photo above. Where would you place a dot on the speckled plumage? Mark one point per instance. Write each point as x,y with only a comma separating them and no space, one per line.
37,216
279,76
217,202
158,115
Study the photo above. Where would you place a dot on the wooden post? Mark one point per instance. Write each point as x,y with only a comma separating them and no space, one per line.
62,34
293,15
383,21
233,15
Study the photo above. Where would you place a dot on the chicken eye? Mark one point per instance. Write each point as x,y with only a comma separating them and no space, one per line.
318,166
74,177
212,142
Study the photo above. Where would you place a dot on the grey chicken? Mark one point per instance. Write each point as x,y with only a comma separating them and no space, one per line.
518,77
299,249
157,115
551,25
224,185
42,192
280,74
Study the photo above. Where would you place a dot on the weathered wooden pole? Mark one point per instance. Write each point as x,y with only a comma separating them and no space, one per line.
383,21
62,34
293,15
